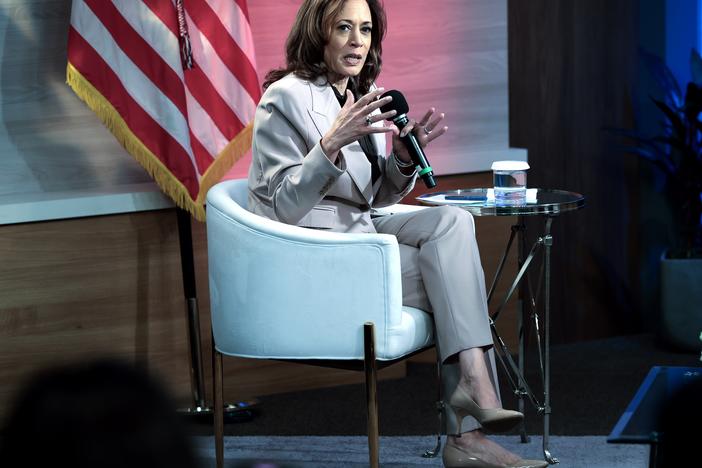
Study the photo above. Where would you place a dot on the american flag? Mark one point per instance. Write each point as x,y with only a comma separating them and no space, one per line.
174,80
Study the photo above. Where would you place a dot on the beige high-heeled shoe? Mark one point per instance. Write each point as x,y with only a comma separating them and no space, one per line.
456,457
491,419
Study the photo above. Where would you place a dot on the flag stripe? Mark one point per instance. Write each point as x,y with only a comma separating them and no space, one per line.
238,28
203,159
166,13
204,129
244,9
154,31
221,78
140,52
209,24
206,95
141,89
142,125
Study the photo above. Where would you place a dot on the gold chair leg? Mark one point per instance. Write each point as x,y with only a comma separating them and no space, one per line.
371,393
218,405
440,408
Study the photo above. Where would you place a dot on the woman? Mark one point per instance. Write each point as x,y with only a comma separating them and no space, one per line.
319,162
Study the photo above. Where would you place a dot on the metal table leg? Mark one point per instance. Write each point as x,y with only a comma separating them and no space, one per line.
548,242
521,324
515,372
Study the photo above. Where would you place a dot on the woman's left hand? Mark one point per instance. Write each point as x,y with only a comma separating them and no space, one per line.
425,131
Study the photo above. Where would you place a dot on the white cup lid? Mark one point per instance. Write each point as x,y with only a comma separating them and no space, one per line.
510,166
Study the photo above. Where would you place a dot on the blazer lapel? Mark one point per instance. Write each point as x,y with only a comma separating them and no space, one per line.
324,109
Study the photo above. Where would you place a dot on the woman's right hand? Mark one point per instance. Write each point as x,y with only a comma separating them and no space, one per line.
354,121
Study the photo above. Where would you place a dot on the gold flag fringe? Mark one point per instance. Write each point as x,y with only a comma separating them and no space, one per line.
165,179
231,153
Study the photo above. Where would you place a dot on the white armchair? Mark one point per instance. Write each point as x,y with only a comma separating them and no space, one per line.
285,292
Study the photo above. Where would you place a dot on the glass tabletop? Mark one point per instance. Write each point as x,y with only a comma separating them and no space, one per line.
481,202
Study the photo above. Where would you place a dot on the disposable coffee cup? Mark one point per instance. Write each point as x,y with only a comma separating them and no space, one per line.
509,182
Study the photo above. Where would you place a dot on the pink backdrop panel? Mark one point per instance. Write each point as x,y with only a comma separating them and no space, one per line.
451,55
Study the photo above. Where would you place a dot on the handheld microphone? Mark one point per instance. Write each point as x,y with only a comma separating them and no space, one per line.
399,104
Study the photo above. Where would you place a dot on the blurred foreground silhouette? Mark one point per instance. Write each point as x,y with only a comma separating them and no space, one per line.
105,414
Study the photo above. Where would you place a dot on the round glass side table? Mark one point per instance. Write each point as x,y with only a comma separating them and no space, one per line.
481,202
549,204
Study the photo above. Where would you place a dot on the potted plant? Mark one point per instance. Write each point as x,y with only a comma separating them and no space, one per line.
677,151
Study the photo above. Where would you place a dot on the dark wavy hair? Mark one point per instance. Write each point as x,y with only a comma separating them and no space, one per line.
304,48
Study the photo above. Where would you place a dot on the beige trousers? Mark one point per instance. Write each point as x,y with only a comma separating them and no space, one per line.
442,273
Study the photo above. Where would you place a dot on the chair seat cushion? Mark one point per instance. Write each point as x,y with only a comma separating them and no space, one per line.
415,331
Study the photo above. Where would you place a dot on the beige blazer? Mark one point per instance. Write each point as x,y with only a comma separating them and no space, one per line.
290,178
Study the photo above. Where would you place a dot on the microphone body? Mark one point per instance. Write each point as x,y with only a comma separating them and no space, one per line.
399,104
416,152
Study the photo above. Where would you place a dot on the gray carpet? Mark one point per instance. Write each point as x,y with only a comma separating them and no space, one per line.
592,383
404,451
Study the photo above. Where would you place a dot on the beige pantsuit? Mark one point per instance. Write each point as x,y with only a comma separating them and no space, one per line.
442,273
291,180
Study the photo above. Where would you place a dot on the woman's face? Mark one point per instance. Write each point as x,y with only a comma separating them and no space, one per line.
350,39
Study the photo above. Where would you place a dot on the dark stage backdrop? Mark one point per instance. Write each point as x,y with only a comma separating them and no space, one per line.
572,66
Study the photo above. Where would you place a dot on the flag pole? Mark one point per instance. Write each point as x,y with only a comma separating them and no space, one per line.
193,316
241,411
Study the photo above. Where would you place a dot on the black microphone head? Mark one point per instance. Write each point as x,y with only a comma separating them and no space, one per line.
398,103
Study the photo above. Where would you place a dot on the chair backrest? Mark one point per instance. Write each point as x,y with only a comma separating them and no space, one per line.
282,291
238,190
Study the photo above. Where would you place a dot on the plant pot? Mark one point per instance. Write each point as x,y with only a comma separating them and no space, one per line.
681,302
